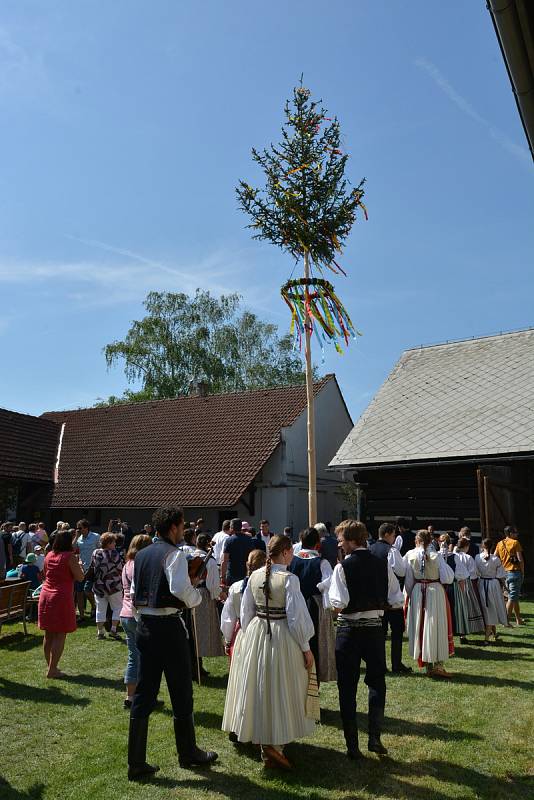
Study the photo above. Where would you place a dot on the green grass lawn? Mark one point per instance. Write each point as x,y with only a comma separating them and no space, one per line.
468,738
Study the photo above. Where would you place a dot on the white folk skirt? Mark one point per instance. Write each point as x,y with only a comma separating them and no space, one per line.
208,627
492,601
429,634
267,688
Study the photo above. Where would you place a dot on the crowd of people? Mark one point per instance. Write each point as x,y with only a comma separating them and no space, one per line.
289,616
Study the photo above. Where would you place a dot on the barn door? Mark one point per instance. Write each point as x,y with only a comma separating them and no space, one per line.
499,499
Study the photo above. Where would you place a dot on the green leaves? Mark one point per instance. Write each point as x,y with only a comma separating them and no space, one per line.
202,338
306,203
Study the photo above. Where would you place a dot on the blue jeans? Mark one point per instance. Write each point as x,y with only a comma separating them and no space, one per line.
129,625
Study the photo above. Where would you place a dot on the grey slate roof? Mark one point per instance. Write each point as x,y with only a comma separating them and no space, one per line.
469,398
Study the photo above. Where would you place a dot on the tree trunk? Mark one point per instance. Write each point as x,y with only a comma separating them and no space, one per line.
312,467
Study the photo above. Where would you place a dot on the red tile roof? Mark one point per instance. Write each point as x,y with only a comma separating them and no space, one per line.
28,446
194,451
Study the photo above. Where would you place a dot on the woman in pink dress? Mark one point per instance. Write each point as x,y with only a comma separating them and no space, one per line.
57,615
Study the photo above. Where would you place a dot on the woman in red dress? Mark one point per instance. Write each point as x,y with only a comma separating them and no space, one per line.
57,615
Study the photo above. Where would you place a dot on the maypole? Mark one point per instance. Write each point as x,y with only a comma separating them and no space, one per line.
307,209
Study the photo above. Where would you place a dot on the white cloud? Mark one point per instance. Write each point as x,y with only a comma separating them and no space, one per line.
465,106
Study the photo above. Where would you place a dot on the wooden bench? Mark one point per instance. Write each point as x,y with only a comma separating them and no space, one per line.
13,597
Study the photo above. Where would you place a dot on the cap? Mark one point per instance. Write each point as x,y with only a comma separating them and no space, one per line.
30,558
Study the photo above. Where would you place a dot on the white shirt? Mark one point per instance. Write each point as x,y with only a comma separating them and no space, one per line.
212,575
299,621
297,547
490,567
179,585
340,598
218,544
396,562
468,564
231,610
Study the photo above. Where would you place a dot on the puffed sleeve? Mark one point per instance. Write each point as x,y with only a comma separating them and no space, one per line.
248,608
179,583
396,562
298,617
500,571
338,594
446,575
324,584
212,579
228,617
471,566
409,577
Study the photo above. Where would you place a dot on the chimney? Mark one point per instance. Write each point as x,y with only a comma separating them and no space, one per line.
198,388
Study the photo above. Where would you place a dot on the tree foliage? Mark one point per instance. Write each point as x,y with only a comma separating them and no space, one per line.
205,338
306,204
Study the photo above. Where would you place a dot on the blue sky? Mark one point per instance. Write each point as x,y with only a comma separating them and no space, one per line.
126,125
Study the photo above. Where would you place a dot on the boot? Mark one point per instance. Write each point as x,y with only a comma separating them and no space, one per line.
376,718
189,755
350,730
137,764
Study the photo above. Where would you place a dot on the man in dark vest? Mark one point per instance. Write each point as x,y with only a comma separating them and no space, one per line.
360,588
394,617
160,590
312,570
403,529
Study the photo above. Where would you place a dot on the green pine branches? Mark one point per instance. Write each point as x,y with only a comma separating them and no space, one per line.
306,203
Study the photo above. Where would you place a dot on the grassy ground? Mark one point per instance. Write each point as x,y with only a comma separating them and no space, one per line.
66,740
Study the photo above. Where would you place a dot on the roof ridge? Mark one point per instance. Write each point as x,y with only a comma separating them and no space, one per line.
469,339
318,383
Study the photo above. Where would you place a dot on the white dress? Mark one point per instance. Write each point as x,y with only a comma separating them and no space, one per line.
233,635
428,619
491,571
268,682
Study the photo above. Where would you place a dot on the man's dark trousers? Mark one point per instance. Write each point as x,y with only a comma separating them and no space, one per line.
164,649
354,644
394,618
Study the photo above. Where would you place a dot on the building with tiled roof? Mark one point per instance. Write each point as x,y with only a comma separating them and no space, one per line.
28,447
449,437
238,454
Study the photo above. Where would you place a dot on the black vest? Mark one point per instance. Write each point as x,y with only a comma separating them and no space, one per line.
150,581
308,571
380,549
366,576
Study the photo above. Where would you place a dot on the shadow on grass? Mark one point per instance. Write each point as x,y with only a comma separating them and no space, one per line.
387,778
93,680
491,680
20,643
487,654
35,694
213,682
8,792
402,727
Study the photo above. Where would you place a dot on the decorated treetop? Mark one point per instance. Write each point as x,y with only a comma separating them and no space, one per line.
306,205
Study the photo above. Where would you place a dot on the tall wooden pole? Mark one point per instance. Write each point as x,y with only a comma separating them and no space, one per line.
312,467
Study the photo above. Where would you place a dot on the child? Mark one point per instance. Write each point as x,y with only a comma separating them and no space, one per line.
492,574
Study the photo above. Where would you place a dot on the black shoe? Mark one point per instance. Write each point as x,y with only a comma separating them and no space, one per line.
127,703
232,737
402,670
464,640
137,763
376,746
350,731
189,755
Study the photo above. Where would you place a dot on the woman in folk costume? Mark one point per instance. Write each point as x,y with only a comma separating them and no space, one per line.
233,636
315,574
428,616
267,705
475,620
206,623
491,575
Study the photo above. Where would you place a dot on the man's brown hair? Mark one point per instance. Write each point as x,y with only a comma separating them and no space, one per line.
353,531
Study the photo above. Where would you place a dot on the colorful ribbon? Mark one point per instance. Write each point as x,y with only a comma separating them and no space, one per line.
315,308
